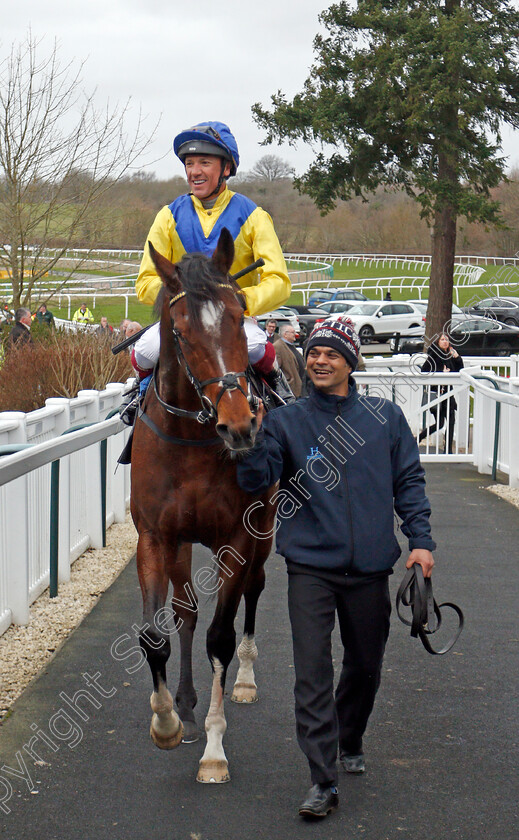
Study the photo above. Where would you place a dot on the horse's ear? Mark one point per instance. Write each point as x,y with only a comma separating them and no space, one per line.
166,270
224,254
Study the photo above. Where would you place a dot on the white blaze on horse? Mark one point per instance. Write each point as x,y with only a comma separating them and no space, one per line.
196,417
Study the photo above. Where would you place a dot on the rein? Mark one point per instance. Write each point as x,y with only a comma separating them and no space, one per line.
415,591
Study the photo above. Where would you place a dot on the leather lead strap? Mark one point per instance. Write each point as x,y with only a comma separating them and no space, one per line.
416,592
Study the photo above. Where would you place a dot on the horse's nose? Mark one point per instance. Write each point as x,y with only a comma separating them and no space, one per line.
238,437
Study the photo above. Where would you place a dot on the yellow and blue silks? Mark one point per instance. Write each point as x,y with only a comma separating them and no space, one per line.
185,226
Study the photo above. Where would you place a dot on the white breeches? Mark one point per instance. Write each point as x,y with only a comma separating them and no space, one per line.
147,348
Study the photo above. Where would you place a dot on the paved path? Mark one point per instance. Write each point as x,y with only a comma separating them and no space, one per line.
442,745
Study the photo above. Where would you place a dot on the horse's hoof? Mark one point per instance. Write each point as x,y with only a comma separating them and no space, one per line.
191,733
213,772
165,742
244,693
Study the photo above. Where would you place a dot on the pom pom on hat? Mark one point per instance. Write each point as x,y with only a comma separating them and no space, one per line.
338,332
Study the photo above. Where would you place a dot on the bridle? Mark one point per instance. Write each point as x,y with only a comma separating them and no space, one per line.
229,381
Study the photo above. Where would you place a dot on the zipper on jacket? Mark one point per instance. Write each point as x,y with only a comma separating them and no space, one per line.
350,517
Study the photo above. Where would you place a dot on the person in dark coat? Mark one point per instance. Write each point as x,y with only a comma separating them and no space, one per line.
345,463
44,316
20,334
270,328
442,357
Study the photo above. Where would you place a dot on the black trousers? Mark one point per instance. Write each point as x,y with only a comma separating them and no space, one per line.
327,724
447,413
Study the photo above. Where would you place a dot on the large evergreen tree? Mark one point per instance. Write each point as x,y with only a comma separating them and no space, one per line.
409,95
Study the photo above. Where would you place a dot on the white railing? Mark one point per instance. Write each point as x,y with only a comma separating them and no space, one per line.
25,491
486,420
504,366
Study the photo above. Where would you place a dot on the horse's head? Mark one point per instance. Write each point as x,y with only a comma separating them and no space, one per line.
202,317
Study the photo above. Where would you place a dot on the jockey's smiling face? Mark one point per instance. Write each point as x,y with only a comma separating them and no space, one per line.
203,173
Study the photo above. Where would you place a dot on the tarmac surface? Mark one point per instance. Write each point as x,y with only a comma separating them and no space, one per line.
441,746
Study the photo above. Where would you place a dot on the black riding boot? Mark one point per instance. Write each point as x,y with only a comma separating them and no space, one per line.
277,381
130,403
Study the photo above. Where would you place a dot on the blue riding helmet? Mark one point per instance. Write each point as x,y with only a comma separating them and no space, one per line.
213,138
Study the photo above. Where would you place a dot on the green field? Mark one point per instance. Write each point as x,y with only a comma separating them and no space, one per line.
343,273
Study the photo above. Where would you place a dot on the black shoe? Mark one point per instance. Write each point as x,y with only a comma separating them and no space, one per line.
352,763
320,801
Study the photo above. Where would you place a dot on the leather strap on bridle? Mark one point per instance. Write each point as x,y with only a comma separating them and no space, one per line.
415,591
176,440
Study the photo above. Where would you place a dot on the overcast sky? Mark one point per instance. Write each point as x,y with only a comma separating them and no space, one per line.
186,62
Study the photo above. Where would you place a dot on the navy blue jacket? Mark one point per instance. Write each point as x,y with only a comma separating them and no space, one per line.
344,465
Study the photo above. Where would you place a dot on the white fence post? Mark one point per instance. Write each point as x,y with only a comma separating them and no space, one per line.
62,424
93,475
17,529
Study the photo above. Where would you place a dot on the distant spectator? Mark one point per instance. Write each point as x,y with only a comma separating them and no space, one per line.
132,328
104,330
123,327
83,315
20,334
270,328
289,358
442,357
7,313
44,316
388,295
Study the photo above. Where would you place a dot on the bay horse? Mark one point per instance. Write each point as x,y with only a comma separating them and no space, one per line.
184,491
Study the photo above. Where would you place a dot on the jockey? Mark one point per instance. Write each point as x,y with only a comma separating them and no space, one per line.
192,223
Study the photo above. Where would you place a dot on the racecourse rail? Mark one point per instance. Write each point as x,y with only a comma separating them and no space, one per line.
306,271
485,434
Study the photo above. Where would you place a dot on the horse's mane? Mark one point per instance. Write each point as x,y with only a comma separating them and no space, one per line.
201,282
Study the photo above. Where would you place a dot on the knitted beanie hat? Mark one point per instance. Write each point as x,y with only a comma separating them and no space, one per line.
338,332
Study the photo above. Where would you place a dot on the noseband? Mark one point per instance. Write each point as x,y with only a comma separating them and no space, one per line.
229,381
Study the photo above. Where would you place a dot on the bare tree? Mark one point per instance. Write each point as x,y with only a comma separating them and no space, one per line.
272,168
59,155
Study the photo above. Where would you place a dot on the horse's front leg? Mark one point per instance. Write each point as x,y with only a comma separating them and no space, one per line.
185,606
166,728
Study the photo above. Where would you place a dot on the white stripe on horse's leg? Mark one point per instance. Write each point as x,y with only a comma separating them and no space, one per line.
245,688
166,728
213,764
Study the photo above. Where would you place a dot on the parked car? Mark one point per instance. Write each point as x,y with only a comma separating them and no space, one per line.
423,304
307,317
473,337
283,315
380,321
333,306
396,343
505,310
323,295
